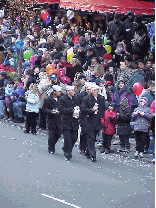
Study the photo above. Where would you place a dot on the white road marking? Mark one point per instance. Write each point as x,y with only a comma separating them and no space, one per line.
60,200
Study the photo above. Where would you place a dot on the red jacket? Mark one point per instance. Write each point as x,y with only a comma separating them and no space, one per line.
152,107
109,125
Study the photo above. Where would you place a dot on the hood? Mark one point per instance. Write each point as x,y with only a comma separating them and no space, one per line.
146,99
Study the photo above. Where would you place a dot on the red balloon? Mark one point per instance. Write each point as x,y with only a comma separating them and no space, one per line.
137,88
44,14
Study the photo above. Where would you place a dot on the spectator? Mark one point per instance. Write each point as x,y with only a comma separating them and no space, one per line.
122,92
108,121
150,94
137,75
124,128
142,116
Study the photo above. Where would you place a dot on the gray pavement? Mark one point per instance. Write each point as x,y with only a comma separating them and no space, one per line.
30,177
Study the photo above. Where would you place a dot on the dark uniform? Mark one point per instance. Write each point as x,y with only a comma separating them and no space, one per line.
54,121
93,121
69,123
82,123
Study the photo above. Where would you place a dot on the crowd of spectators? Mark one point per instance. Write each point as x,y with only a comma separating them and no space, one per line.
78,53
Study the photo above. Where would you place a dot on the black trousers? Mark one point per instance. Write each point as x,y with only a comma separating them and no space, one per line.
31,121
11,111
106,141
142,140
124,140
70,137
42,119
91,138
54,135
83,139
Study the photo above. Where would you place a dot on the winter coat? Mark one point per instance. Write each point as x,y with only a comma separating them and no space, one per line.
119,94
150,97
100,51
124,119
33,101
53,120
142,122
66,109
137,76
115,29
109,121
129,32
93,121
19,93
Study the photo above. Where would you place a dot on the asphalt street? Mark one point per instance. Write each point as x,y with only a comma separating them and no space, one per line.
30,177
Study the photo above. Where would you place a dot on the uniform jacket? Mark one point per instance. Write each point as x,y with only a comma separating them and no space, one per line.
54,120
82,117
109,124
142,122
124,120
93,121
66,109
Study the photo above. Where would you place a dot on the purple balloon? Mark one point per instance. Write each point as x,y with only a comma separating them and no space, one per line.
48,20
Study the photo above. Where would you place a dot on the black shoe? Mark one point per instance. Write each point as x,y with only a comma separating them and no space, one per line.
51,152
25,131
93,159
34,133
62,149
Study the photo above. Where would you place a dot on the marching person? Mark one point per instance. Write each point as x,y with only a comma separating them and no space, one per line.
68,107
82,118
93,106
51,107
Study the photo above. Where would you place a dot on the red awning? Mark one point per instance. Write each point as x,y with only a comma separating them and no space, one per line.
118,6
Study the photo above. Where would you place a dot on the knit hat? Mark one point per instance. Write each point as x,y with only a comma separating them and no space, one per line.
124,101
108,82
112,104
107,56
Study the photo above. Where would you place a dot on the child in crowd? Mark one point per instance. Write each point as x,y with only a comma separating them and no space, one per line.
108,131
8,92
32,108
124,127
142,116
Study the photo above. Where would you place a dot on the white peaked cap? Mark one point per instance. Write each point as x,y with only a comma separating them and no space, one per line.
68,87
56,88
